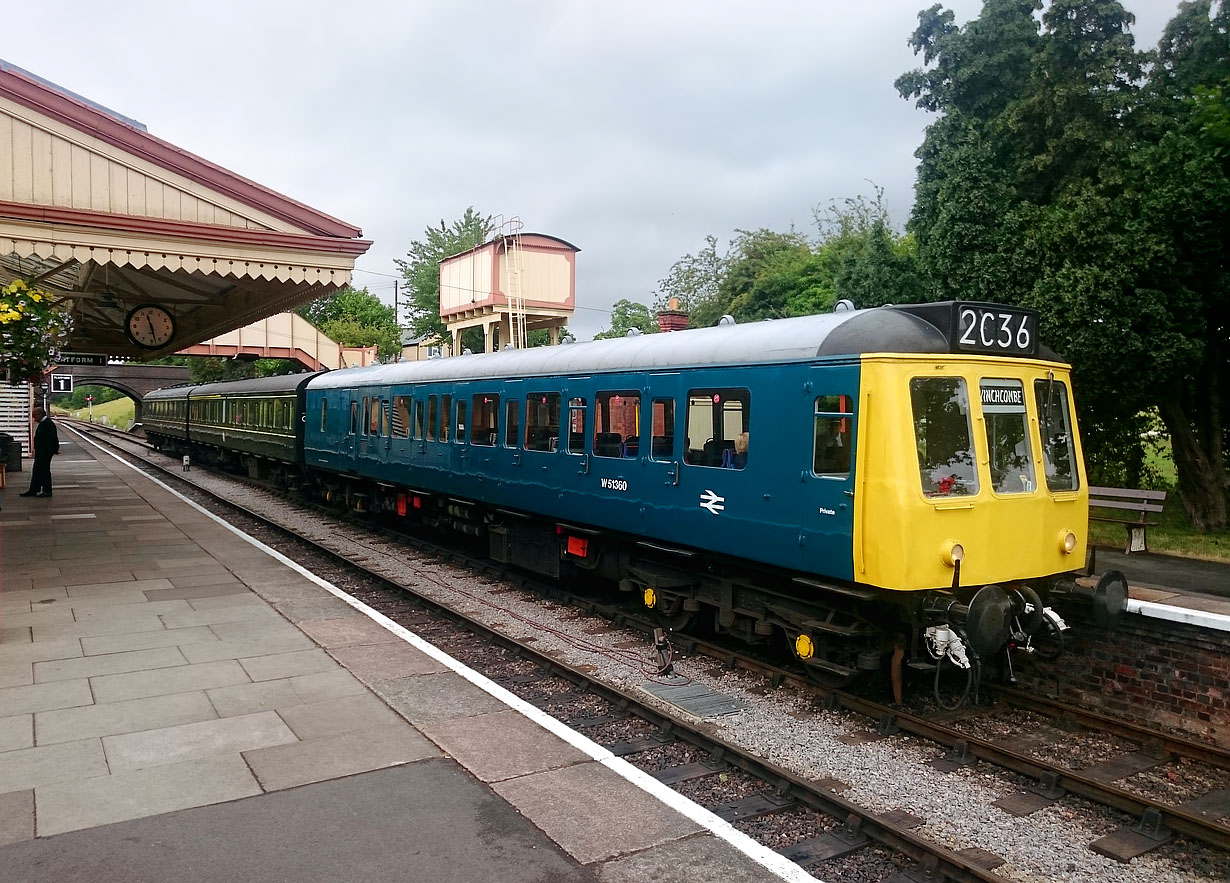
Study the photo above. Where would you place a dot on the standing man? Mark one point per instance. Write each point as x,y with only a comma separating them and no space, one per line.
46,446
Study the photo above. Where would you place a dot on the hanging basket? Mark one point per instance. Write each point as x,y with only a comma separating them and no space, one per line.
33,328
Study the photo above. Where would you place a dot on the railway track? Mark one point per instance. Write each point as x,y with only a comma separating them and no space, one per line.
848,826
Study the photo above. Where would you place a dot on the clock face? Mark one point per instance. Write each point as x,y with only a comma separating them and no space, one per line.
150,325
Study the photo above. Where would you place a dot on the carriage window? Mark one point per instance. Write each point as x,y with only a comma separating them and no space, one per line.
401,416
542,421
512,423
371,409
1007,425
617,424
324,414
1058,454
942,436
354,418
483,421
718,427
460,435
433,418
834,435
576,426
446,416
663,429
385,428
418,418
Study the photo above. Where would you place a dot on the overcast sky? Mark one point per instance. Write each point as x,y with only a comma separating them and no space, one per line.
630,129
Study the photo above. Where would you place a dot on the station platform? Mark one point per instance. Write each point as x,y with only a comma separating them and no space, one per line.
179,703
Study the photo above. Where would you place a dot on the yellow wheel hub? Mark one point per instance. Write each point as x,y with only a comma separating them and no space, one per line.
651,597
803,647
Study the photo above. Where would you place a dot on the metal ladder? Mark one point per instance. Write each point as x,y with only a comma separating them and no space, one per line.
510,231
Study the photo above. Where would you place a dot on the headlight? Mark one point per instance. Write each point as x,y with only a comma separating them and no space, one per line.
951,552
1067,542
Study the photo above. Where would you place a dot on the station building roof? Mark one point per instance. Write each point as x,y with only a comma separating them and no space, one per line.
108,217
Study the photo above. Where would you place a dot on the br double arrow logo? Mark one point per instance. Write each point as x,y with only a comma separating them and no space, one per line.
711,501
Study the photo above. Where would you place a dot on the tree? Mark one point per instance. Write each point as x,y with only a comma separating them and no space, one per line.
626,315
1067,173
355,317
768,275
422,270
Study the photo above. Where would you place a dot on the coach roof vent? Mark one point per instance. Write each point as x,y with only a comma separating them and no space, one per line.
726,320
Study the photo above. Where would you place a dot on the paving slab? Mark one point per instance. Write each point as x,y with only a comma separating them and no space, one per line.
134,794
209,738
701,858
381,662
41,697
181,679
346,631
561,802
332,717
17,731
130,716
246,698
101,644
214,589
281,641
433,697
31,651
110,663
287,665
502,745
16,674
42,764
311,609
16,816
299,763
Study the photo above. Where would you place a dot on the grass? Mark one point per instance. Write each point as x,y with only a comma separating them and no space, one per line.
1173,535
119,413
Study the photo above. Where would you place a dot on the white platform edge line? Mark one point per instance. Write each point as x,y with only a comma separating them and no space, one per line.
762,855
1169,612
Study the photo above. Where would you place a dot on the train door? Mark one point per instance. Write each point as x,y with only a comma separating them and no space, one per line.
508,457
662,455
615,473
828,417
348,446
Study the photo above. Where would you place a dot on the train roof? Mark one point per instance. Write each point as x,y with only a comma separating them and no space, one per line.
283,383
922,328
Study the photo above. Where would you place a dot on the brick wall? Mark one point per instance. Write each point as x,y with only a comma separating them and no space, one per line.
1150,671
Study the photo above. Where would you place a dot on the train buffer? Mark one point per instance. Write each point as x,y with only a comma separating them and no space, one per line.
1123,501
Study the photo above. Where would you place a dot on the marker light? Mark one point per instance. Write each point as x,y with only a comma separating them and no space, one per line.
1067,542
951,552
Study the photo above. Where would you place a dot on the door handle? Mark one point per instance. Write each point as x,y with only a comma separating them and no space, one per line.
673,474
848,492
584,470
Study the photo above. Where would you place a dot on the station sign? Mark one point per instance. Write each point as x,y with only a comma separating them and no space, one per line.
81,359
61,383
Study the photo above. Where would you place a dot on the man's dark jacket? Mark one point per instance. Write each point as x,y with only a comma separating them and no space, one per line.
46,439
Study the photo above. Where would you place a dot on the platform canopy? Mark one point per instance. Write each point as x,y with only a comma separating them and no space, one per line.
112,219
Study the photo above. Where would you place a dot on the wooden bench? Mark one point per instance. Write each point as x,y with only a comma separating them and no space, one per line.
1125,500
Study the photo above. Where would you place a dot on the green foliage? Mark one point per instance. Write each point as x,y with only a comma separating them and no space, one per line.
1070,173
77,398
626,315
769,275
355,317
211,370
422,272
